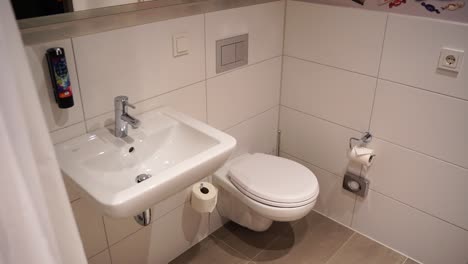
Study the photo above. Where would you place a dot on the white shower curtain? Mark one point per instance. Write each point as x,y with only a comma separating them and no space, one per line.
36,221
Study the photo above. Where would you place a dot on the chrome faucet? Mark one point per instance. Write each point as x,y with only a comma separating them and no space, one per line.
122,118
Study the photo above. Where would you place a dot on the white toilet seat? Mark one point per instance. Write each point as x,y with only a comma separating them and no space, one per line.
276,213
274,181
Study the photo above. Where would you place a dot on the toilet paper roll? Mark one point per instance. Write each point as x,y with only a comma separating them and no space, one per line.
204,197
361,155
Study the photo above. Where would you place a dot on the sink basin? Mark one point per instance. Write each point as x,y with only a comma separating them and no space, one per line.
173,149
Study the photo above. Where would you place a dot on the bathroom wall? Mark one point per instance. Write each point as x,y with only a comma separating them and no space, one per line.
347,71
138,62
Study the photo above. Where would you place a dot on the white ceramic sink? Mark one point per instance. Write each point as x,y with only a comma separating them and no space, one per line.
176,150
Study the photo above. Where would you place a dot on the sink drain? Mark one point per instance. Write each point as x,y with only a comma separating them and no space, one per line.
142,177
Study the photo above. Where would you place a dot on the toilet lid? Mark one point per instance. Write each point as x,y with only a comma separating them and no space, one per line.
273,180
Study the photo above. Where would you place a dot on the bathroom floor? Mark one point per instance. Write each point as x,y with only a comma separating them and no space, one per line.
313,239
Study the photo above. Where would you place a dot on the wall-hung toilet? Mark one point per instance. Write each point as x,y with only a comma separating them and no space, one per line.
257,189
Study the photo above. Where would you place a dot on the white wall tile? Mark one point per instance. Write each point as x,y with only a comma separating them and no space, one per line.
55,117
430,123
164,240
263,23
333,200
258,134
141,57
236,96
434,186
190,100
101,258
119,228
342,37
412,49
425,238
91,227
336,95
316,141
67,133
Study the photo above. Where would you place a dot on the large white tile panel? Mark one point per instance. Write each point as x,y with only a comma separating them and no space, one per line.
316,141
190,100
263,23
55,117
337,95
236,96
427,122
91,227
347,38
137,62
412,49
333,200
416,234
429,184
258,134
164,240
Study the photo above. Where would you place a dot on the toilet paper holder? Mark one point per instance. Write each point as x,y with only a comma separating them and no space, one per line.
366,138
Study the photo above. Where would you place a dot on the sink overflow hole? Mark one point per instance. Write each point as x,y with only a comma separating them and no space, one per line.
142,177
131,149
204,190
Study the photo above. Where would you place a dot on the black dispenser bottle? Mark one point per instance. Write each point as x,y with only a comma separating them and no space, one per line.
60,77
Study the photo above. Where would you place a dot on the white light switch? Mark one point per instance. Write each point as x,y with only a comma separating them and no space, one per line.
181,44
451,59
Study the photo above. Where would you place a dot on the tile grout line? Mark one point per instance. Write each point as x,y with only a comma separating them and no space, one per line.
378,74
107,237
248,119
206,70
342,246
421,153
329,66
425,90
235,250
383,139
387,196
301,159
377,77
420,210
362,234
244,66
179,88
78,81
147,99
67,126
88,258
278,133
321,118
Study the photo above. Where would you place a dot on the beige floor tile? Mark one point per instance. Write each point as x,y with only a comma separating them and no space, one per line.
225,230
248,242
313,239
361,250
210,250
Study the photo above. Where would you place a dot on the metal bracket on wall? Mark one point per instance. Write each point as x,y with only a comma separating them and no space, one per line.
278,143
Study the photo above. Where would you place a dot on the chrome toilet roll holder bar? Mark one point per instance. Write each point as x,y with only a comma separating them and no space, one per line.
366,138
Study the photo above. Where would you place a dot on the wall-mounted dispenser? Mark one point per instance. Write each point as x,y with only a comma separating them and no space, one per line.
60,77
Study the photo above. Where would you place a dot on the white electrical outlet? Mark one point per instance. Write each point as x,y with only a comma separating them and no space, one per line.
451,59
